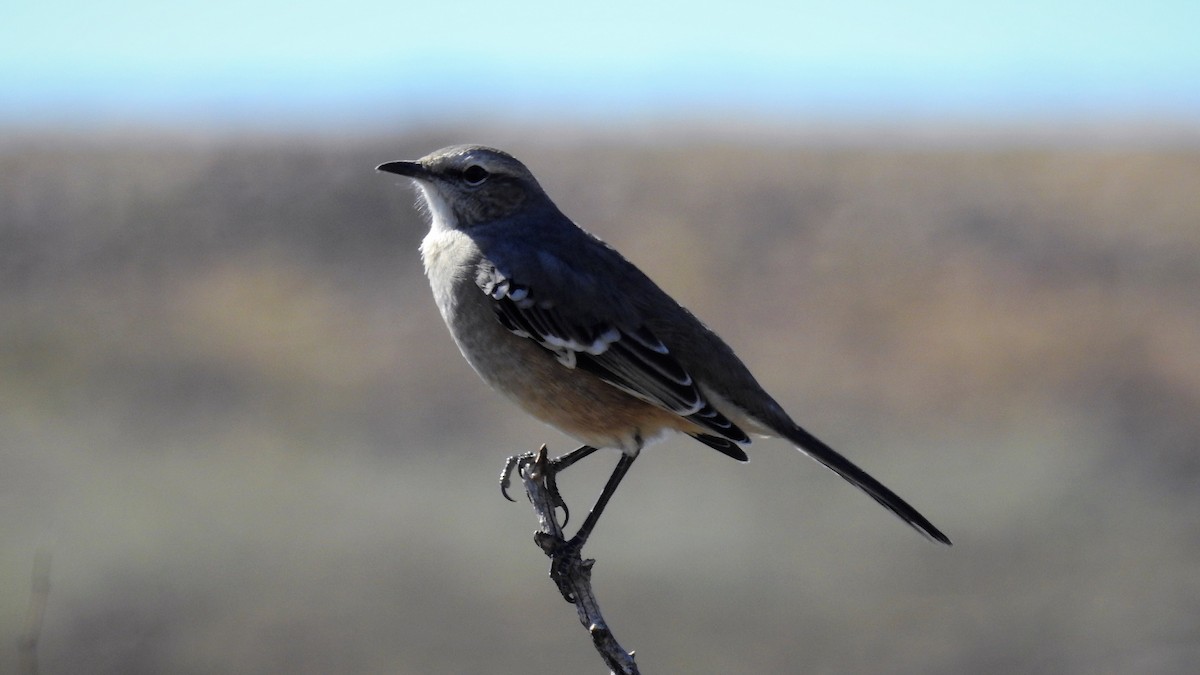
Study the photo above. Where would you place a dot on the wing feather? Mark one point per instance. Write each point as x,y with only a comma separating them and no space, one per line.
630,358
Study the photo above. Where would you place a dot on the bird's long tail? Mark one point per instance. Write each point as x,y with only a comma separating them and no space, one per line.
815,448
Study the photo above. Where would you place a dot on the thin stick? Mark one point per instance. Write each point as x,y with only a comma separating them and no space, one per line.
570,572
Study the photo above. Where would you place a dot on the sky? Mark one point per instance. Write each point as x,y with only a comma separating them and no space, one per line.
397,62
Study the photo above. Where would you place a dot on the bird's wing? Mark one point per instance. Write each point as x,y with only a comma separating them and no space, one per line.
626,355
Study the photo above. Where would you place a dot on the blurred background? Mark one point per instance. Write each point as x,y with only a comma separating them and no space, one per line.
959,241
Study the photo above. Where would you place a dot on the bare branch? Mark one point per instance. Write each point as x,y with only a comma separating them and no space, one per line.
570,572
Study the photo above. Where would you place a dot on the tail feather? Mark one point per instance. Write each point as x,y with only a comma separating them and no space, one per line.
723,445
815,448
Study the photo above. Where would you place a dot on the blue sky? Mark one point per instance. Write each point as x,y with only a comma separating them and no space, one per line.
393,62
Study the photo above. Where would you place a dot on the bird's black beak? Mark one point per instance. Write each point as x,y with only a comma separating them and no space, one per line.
410,169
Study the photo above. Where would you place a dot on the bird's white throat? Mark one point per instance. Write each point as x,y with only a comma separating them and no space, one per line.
441,216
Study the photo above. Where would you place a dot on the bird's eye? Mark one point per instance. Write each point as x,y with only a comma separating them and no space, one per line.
475,175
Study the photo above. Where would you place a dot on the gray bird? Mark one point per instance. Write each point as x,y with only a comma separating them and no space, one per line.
578,336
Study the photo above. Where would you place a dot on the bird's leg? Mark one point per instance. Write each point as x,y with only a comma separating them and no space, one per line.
555,465
559,463
567,567
585,530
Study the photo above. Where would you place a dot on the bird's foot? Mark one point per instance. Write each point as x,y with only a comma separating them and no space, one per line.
548,468
506,473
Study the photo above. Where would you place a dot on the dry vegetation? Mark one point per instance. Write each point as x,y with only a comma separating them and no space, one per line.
229,410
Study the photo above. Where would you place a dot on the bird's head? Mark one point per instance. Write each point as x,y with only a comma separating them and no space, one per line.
463,186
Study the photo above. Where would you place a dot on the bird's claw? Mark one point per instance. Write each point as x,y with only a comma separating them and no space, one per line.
552,487
515,463
510,465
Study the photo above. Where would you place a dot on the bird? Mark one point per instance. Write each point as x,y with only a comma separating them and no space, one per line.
577,336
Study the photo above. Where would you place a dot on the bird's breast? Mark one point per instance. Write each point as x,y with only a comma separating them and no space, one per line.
449,257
